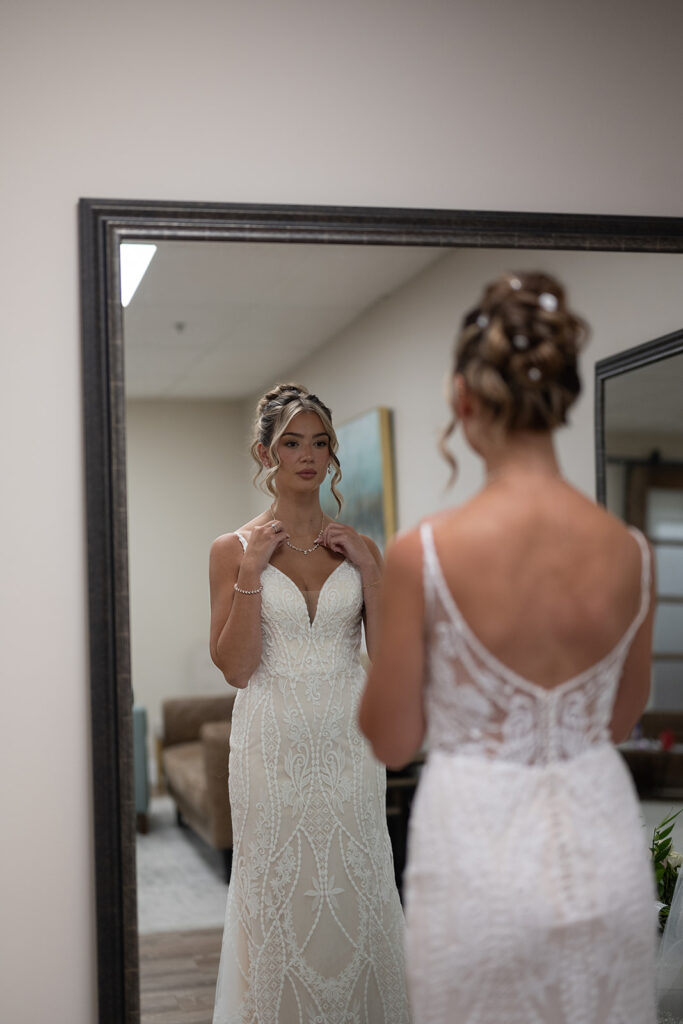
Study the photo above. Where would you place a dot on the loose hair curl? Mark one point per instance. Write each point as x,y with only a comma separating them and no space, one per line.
518,351
274,412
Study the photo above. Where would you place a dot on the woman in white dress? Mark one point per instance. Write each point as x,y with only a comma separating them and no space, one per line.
314,926
515,635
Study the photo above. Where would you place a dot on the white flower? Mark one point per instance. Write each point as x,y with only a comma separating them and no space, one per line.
675,859
547,301
322,890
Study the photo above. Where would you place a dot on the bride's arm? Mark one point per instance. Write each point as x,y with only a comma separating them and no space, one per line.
391,711
235,641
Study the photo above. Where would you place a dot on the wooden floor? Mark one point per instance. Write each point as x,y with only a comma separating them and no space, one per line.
178,972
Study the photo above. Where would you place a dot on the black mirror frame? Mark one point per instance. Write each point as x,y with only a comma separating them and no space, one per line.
103,225
624,362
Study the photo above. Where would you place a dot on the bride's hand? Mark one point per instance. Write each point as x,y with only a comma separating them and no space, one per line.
344,540
263,542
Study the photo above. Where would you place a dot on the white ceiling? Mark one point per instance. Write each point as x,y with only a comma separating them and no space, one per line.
648,399
223,320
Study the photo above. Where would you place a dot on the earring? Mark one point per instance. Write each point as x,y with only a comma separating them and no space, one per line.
329,469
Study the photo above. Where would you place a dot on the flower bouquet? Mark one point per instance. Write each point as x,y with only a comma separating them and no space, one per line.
666,863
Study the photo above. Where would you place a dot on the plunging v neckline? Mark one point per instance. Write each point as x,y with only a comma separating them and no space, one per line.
300,592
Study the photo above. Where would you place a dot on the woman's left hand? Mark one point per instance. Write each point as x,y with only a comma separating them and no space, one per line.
344,540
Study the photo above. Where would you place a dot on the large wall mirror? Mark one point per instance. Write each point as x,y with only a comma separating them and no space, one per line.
361,306
639,416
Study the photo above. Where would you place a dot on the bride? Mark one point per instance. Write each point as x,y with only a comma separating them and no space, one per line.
314,927
528,614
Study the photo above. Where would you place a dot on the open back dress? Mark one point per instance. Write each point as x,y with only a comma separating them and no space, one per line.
529,892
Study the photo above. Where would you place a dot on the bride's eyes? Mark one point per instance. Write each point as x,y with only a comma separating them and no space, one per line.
316,444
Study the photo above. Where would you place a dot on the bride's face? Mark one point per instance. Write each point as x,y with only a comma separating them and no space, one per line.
304,453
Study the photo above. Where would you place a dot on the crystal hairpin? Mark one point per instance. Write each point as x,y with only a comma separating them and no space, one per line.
482,320
534,373
547,301
515,283
520,342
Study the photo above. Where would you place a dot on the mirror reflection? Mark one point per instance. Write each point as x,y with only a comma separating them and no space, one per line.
209,328
644,486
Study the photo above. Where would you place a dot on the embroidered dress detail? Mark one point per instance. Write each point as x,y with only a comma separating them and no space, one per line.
314,926
529,889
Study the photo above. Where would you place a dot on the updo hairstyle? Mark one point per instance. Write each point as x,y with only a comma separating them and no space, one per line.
274,412
518,353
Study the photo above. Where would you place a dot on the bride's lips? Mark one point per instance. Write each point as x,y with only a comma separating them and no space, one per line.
307,474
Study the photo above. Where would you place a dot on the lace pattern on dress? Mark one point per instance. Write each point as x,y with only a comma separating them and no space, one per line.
478,705
529,889
314,927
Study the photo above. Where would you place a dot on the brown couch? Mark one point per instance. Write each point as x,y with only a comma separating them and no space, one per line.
195,747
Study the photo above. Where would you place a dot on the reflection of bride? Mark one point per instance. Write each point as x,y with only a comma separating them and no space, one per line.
314,927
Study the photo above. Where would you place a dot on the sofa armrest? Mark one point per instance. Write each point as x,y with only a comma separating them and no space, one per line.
183,717
215,740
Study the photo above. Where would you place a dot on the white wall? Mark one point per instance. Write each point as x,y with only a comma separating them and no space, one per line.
188,474
474,104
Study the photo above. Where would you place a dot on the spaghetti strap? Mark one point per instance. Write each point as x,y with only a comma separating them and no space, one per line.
242,540
430,562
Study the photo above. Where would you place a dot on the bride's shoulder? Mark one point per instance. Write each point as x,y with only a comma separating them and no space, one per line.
234,539
404,550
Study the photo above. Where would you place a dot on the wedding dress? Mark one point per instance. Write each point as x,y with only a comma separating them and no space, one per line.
530,896
314,926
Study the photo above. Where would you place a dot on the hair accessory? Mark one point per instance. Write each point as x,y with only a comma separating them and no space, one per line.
515,283
240,591
548,301
520,342
534,373
482,320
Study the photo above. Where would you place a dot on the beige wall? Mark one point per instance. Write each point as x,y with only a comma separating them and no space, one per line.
388,102
188,478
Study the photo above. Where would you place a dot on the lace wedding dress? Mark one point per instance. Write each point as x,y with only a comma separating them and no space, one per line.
530,898
314,926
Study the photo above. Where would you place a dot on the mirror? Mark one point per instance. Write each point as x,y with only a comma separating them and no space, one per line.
302,292
640,476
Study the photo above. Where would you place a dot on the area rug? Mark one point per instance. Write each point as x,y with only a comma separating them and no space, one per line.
181,881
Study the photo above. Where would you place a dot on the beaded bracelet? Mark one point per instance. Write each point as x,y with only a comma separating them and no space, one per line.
375,583
241,591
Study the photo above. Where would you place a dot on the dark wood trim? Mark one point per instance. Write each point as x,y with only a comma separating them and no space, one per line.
104,223
110,693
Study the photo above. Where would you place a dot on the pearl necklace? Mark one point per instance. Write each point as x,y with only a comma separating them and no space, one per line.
303,551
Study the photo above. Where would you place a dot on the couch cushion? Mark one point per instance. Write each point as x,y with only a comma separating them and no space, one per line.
184,716
186,775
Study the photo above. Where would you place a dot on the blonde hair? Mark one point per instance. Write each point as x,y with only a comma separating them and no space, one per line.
518,351
274,412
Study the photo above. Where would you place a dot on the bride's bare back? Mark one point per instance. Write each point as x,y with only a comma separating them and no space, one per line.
548,581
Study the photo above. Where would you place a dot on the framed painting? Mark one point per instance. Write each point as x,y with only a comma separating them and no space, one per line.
366,456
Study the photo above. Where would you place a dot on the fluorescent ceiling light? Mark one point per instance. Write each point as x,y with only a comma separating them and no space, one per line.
135,258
